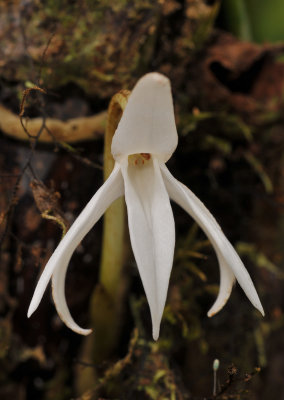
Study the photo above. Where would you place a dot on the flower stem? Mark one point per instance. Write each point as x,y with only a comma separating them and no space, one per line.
107,297
106,300
113,234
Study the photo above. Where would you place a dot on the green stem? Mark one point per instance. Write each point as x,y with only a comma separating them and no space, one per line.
113,234
107,298
237,18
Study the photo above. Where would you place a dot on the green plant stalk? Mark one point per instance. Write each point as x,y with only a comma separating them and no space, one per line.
113,233
106,300
237,18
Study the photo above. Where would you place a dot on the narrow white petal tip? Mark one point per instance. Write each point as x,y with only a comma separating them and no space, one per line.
31,310
260,309
156,334
214,311
216,308
68,321
156,331
219,304
254,299
84,332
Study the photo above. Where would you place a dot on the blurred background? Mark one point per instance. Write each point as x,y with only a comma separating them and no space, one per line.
62,60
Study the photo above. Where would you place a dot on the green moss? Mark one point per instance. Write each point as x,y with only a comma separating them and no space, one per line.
93,44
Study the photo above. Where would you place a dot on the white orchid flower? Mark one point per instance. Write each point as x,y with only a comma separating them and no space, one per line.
144,140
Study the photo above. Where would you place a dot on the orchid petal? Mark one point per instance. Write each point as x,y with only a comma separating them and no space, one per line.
228,258
227,279
152,232
148,122
58,263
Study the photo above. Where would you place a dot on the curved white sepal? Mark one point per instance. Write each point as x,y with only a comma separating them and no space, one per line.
227,256
152,232
147,124
58,294
227,279
58,263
